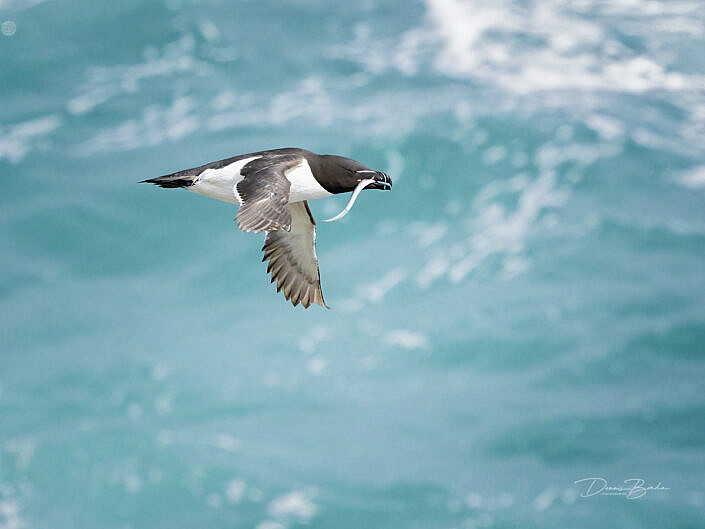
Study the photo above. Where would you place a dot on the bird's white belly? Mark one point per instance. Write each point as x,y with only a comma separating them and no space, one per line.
220,183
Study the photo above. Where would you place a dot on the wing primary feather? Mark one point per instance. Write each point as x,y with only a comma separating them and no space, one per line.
291,258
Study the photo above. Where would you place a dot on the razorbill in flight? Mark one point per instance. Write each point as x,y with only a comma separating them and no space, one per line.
272,189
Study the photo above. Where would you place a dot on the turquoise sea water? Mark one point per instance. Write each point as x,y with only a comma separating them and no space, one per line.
524,310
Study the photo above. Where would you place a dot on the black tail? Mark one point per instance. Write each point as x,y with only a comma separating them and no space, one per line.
179,179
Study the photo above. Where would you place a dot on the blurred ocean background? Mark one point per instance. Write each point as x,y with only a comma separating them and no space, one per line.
524,310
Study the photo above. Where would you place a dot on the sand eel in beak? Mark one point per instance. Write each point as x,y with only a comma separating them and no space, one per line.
362,185
272,189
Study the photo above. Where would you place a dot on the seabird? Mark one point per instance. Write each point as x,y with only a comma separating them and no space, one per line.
272,189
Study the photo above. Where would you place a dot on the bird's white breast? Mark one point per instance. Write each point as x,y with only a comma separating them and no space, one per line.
304,185
220,183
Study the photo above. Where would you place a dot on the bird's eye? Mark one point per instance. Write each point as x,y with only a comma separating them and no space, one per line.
359,179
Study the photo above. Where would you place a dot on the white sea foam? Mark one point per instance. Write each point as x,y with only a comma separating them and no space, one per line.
693,178
310,340
235,490
105,83
308,100
19,139
374,292
498,231
226,442
316,365
270,524
608,128
545,499
525,48
213,500
494,154
10,515
22,449
296,505
428,234
132,482
209,30
406,339
19,5
434,269
156,125
473,500
163,403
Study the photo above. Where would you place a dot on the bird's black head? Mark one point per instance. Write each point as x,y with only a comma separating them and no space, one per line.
338,174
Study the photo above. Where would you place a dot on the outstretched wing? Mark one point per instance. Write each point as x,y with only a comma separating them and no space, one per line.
264,194
292,258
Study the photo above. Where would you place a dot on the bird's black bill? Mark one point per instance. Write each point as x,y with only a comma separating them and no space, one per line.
382,181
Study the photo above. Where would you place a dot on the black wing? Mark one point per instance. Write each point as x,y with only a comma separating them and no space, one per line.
264,193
